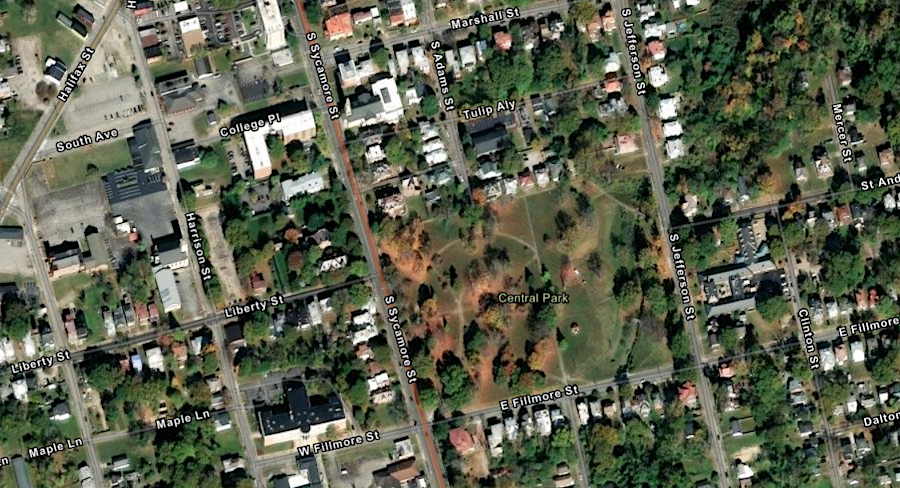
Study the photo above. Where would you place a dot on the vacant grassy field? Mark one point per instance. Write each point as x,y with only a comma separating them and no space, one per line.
212,168
56,40
79,167
294,80
19,124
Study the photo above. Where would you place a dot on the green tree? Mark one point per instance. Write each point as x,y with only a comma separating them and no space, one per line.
457,388
257,328
842,271
430,106
136,278
380,58
773,308
16,318
583,12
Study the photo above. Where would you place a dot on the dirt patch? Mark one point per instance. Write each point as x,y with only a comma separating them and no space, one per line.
220,255
748,454
29,51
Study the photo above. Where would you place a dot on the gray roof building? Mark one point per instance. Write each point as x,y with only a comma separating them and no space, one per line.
21,470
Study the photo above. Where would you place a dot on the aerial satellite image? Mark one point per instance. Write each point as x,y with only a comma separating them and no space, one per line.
449,243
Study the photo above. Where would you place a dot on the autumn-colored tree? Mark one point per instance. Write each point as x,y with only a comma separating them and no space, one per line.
295,260
429,310
542,350
292,235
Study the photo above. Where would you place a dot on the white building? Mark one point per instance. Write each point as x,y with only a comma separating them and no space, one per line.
384,106
300,126
542,419
272,23
674,148
672,129
668,108
306,184
168,289
658,76
155,359
612,63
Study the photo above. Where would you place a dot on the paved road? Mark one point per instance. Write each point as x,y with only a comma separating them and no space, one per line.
657,179
165,146
76,397
19,170
360,217
796,306
833,98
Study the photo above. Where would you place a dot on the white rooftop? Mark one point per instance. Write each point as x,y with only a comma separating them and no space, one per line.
189,25
272,24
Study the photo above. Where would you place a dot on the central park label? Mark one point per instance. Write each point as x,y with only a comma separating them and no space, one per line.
544,297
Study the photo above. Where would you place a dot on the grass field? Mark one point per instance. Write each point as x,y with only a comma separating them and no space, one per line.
606,340
211,169
162,68
73,169
19,124
56,40
294,80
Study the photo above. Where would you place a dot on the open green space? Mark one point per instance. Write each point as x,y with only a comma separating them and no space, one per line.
294,80
89,164
607,339
20,122
213,167
39,18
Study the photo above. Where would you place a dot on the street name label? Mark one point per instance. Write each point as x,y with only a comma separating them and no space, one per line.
86,140
848,330
172,422
882,182
881,418
809,341
690,313
255,306
394,319
634,59
488,110
73,77
41,362
326,446
440,69
54,448
197,244
241,127
315,53
837,111
476,20
526,400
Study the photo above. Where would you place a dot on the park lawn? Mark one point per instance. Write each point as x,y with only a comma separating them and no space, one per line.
56,40
72,169
281,270
604,341
19,124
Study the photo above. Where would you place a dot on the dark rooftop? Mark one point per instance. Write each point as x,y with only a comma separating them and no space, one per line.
11,232
299,411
